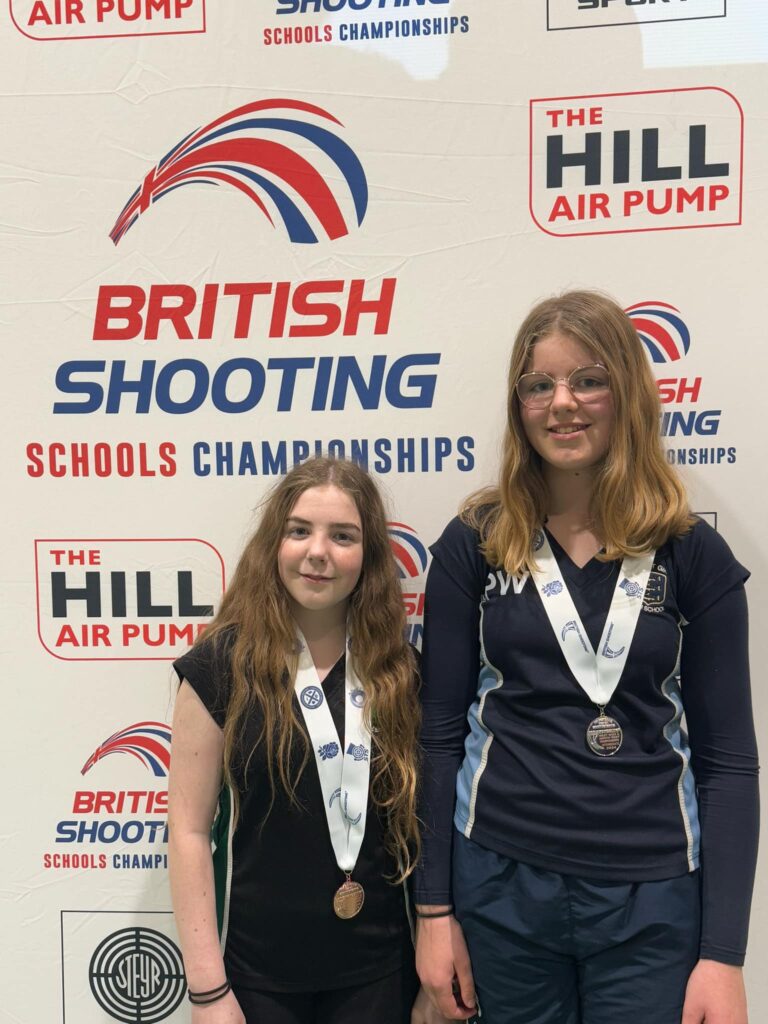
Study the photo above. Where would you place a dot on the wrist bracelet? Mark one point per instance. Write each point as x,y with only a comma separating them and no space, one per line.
436,913
211,996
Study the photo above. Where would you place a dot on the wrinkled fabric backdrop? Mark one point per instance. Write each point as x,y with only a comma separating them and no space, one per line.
234,234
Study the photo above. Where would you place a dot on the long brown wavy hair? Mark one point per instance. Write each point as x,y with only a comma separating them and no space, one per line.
638,502
255,616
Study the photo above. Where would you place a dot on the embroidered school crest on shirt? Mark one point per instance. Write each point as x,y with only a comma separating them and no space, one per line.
656,590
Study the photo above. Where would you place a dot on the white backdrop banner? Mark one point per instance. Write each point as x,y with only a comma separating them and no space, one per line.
238,234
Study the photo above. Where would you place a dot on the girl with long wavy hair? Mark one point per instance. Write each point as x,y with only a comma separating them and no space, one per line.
588,856
294,757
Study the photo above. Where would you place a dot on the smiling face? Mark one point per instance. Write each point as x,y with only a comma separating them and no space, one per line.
568,435
321,554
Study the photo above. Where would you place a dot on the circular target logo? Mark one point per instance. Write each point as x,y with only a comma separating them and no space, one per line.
137,976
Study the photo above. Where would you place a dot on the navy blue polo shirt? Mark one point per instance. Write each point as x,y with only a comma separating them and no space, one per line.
506,760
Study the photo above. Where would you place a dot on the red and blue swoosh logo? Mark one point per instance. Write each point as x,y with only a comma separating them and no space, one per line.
148,742
255,149
661,329
410,554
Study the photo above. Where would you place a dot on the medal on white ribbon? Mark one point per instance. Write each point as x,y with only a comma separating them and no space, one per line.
344,769
598,674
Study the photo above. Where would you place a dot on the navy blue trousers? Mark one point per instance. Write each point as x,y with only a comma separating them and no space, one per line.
548,948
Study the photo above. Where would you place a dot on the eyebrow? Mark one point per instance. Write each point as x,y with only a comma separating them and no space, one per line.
335,526
579,366
557,376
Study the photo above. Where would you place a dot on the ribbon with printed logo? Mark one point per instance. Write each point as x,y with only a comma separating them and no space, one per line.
597,673
344,768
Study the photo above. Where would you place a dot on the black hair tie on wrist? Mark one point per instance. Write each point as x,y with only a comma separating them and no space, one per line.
437,913
211,996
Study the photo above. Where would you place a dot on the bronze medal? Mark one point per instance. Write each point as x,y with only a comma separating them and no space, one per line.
604,735
348,899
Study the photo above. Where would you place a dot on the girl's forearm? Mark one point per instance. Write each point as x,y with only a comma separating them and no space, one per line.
194,905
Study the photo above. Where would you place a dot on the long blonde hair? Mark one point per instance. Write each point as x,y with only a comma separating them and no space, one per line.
263,657
638,501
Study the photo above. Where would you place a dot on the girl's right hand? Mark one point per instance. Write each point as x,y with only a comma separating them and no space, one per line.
443,966
223,1011
424,1011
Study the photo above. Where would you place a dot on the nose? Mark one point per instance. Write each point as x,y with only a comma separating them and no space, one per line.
563,398
317,549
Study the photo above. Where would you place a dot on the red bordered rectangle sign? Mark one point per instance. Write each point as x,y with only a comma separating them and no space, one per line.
106,19
126,599
613,163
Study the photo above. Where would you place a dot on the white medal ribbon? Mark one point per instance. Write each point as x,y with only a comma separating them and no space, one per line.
598,674
344,770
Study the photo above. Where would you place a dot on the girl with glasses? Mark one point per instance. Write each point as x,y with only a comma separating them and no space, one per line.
587,856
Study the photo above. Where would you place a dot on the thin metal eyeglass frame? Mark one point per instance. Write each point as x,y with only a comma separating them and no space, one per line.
561,380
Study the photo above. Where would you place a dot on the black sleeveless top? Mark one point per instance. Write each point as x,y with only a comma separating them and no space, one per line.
276,874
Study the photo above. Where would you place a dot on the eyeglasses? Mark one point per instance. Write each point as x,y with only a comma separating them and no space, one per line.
586,384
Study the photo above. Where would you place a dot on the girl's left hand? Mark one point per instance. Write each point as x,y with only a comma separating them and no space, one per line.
424,1011
715,995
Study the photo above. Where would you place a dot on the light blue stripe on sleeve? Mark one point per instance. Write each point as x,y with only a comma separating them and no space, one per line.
476,745
686,785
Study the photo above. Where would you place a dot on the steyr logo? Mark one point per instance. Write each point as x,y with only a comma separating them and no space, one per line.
137,976
255,149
